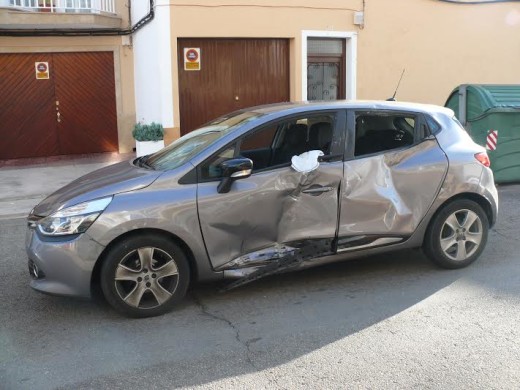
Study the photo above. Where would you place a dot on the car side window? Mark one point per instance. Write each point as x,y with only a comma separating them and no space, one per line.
211,168
434,127
258,146
274,145
383,131
285,139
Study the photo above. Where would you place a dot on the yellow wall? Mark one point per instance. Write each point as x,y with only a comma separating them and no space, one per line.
258,19
441,45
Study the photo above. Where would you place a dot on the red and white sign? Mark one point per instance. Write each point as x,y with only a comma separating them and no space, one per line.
492,140
192,58
42,70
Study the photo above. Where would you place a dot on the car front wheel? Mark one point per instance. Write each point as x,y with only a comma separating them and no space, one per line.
457,234
144,276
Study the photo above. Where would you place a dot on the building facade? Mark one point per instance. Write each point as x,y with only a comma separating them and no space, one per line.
309,49
83,100
200,59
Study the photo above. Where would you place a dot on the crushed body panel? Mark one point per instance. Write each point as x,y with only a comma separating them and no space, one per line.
377,199
270,209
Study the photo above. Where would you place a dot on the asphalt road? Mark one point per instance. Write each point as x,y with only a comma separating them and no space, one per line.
384,322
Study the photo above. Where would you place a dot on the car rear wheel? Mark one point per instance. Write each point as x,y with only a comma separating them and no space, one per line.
457,235
144,276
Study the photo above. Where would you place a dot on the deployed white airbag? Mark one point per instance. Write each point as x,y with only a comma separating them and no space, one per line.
306,162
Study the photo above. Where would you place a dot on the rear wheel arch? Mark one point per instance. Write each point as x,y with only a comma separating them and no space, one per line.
96,272
457,233
477,198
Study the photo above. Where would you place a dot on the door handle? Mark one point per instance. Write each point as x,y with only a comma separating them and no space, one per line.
317,190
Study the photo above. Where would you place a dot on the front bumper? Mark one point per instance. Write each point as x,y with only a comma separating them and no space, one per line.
64,266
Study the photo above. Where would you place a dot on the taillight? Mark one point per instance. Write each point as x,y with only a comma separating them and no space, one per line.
483,159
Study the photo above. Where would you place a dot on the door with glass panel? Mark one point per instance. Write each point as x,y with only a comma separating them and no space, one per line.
325,69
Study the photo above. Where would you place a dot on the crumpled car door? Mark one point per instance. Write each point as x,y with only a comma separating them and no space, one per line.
265,215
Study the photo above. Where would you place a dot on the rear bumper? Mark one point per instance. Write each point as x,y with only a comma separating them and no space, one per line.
489,191
62,267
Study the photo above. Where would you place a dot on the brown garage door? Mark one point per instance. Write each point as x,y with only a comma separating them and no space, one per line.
72,112
234,74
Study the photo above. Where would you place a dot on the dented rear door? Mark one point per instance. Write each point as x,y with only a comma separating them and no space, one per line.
387,194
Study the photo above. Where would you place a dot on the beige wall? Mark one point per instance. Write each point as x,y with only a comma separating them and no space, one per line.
259,18
441,45
123,70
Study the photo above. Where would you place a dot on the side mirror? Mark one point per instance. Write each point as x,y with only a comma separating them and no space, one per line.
234,169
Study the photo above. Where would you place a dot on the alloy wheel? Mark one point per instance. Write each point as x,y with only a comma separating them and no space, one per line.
146,278
461,234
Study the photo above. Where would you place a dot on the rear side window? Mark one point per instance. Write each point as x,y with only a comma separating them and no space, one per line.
377,133
433,125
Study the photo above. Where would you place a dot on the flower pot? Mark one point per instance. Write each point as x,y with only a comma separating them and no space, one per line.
142,148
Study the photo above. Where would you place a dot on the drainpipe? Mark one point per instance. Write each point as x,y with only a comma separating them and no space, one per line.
81,32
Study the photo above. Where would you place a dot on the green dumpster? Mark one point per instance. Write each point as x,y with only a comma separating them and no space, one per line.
492,108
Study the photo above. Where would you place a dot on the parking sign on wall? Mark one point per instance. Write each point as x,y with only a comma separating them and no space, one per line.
192,58
42,70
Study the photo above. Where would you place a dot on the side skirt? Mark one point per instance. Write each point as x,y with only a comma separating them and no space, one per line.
292,256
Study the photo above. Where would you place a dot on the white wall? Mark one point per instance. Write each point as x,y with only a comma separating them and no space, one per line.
152,65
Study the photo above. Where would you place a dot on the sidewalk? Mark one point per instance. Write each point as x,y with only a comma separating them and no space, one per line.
23,184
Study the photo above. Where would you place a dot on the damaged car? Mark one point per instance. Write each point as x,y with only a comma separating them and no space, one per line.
265,190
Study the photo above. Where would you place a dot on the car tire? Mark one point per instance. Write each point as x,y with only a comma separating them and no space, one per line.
145,275
457,234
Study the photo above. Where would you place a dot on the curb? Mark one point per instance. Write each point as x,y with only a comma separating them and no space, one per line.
13,216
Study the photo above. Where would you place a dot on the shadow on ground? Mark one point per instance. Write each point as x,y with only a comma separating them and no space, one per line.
50,342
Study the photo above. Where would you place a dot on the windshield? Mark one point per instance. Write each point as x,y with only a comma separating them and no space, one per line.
196,141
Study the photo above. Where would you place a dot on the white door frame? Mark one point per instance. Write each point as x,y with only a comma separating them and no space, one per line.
350,58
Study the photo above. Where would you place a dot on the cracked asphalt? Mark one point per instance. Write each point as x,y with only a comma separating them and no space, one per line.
384,322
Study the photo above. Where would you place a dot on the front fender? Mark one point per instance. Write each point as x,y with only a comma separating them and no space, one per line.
171,210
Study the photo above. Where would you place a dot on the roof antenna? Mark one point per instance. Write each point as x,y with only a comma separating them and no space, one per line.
392,99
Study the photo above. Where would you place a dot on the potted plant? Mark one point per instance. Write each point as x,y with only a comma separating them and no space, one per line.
148,137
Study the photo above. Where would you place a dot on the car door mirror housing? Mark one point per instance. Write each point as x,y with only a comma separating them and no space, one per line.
234,169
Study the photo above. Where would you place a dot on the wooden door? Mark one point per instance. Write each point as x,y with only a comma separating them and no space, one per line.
86,102
72,112
27,114
261,69
234,74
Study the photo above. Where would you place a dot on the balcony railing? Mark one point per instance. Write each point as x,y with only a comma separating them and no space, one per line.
64,6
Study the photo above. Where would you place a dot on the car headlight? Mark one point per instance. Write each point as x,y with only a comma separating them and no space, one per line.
73,220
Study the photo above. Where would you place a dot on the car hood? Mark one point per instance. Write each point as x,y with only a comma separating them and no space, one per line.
114,179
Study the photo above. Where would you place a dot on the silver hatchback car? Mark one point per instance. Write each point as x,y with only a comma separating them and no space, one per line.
265,190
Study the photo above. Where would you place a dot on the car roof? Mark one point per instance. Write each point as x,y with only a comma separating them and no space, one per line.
295,107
